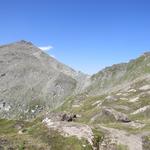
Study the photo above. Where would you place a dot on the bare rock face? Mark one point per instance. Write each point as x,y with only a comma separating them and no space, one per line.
31,81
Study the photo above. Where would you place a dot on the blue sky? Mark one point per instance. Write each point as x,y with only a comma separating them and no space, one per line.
85,34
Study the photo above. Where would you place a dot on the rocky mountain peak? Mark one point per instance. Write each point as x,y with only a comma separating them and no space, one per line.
24,42
31,80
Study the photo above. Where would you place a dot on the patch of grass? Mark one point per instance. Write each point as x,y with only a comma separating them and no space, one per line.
57,141
124,127
7,126
146,142
122,147
98,137
87,110
22,146
37,136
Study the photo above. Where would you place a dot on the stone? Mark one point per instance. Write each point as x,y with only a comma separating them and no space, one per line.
66,117
117,115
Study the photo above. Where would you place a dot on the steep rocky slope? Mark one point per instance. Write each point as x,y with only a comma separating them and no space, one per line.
31,80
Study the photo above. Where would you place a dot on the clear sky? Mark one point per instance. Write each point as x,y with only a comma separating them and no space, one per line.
85,34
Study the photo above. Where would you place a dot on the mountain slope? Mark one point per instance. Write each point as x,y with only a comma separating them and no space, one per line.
109,110
31,81
123,87
119,76
117,100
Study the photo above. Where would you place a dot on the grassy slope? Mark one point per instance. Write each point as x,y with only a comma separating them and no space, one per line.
36,136
87,110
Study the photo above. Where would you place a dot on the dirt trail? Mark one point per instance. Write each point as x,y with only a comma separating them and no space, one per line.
134,142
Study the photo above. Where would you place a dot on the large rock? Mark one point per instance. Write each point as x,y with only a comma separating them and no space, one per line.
115,114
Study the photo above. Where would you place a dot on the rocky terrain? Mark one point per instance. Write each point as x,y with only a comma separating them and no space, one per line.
32,81
46,102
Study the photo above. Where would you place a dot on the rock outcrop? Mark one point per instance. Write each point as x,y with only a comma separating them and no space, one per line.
118,116
71,129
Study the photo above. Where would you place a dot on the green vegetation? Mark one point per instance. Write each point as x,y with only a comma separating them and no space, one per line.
121,147
34,135
55,140
98,137
121,126
22,146
146,142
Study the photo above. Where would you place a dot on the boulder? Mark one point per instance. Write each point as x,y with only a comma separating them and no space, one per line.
117,115
68,117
